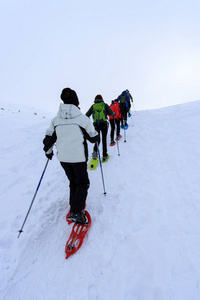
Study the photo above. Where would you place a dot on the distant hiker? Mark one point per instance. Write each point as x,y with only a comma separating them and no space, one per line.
115,121
130,100
129,94
99,111
69,130
125,104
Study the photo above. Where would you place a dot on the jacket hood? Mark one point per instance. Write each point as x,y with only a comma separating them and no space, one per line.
98,100
68,111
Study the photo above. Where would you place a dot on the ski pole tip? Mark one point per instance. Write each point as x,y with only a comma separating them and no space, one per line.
20,231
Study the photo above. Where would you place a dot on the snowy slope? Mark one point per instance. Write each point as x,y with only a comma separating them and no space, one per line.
144,242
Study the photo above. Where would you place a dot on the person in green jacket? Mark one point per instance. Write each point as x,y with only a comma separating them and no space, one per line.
100,111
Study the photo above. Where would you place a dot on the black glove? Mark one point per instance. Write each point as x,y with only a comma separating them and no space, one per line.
49,141
46,143
50,155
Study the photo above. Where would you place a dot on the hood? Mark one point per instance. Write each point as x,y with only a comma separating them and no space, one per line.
68,111
98,101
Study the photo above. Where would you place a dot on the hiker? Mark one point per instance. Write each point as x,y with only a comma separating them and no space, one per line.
99,111
125,105
129,94
115,121
130,100
69,130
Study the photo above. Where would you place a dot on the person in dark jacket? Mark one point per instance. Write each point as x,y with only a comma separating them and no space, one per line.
100,111
125,105
69,130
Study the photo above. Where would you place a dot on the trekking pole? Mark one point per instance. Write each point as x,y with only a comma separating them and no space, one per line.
132,120
101,169
118,147
124,136
134,107
124,133
20,231
131,116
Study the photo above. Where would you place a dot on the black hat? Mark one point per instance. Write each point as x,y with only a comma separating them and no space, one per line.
69,96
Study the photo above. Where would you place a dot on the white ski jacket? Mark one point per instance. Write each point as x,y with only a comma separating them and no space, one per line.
72,128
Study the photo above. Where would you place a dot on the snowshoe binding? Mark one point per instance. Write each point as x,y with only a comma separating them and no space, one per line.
118,137
78,218
112,143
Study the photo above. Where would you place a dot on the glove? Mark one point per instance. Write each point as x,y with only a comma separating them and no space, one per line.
50,155
46,143
45,140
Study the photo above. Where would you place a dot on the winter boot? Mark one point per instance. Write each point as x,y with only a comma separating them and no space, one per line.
78,218
104,158
118,137
112,143
94,155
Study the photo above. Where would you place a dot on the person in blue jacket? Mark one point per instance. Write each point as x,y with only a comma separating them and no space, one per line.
125,105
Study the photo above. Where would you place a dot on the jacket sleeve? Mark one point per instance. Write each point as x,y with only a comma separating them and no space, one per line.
50,138
109,110
110,117
89,112
90,133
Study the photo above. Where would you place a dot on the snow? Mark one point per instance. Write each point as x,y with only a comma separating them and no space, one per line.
144,240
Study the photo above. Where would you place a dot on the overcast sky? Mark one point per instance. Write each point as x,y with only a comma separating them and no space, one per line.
151,48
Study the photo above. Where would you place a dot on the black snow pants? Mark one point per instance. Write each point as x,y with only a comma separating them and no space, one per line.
113,123
103,128
78,184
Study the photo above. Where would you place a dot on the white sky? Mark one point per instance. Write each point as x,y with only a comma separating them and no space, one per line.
150,47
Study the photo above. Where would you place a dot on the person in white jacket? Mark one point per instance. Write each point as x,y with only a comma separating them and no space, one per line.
69,131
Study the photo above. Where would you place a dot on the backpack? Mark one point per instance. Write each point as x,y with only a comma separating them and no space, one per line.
115,107
123,98
124,102
99,113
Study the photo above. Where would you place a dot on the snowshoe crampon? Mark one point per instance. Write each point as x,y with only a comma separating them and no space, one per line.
125,127
118,137
77,236
112,143
105,159
93,163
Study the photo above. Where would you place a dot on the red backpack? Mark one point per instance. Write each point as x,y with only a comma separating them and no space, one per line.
116,109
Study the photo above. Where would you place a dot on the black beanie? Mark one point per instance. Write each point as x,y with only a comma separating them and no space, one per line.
69,96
